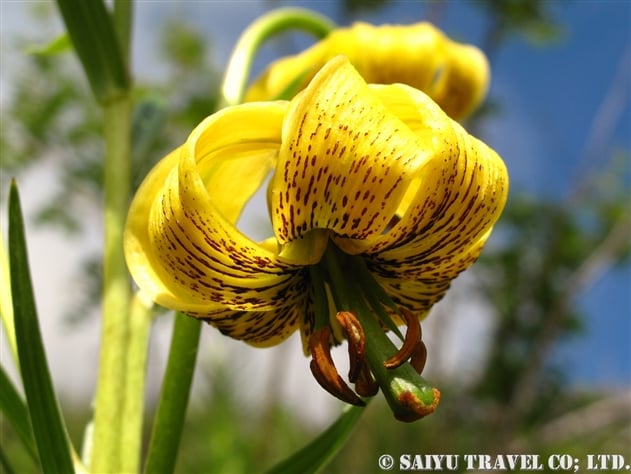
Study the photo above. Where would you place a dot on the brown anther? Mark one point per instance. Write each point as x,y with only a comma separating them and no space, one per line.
324,371
356,342
412,338
419,357
414,409
366,385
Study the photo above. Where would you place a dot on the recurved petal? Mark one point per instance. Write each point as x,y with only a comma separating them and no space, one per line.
345,160
454,207
387,54
452,202
462,83
268,328
257,328
431,279
182,246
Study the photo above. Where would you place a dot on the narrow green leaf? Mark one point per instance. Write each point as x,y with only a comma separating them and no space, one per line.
122,19
90,28
14,409
321,450
48,429
169,421
6,304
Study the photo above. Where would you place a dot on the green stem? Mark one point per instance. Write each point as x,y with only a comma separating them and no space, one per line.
339,284
255,35
112,380
321,299
140,318
169,421
375,294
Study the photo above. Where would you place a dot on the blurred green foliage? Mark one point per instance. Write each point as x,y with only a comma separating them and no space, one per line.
52,116
531,19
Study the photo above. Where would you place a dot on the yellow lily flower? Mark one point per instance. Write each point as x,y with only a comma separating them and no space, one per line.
377,200
454,75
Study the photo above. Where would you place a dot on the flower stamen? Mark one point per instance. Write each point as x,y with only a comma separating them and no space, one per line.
324,370
356,342
419,357
410,344
366,385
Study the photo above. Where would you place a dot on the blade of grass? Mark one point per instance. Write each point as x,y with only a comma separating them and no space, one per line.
169,421
48,427
6,305
14,409
122,18
321,450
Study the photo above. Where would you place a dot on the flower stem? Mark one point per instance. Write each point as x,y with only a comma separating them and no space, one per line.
169,421
255,35
111,385
140,318
322,310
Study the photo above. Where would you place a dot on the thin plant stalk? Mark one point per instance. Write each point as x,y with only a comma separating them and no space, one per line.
112,379
140,319
255,35
176,385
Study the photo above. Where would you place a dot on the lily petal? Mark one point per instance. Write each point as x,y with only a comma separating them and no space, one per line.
458,200
266,328
345,161
454,200
420,293
463,81
182,246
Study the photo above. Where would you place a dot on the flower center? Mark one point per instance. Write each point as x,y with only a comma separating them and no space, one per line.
344,287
